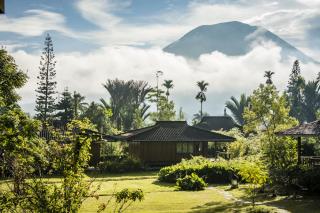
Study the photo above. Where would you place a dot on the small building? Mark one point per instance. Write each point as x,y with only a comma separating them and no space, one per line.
217,123
167,142
311,129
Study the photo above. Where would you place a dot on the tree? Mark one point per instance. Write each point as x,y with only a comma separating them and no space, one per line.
268,114
18,145
46,85
166,111
100,117
311,105
237,107
295,92
181,116
197,117
125,98
78,104
268,75
256,175
11,78
201,96
70,155
168,85
65,108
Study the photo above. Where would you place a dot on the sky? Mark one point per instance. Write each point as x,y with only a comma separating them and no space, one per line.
96,40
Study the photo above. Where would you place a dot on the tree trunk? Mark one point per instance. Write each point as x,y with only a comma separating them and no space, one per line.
201,110
299,150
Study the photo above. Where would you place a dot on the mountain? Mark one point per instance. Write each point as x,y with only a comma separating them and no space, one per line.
231,38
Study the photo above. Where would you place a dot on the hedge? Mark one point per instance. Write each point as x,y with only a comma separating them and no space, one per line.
220,171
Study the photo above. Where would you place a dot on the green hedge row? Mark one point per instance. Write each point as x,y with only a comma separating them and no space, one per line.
124,164
220,171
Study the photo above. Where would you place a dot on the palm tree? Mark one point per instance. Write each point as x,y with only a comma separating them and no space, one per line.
126,97
197,117
237,107
268,75
78,104
168,85
201,96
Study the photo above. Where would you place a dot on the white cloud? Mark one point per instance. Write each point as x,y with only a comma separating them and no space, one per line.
288,19
99,12
85,72
34,23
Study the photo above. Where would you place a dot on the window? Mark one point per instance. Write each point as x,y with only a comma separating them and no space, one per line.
179,147
184,148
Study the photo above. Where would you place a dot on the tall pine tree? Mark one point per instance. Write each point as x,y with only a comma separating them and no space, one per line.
295,92
46,85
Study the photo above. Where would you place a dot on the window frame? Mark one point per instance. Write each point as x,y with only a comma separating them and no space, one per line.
184,148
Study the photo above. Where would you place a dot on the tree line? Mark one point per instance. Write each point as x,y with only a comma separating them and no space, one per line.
129,105
302,98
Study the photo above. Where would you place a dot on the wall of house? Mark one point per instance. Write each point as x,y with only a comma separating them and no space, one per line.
163,153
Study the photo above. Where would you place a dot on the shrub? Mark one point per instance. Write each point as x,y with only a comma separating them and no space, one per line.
256,175
123,200
308,177
301,177
220,171
191,183
124,164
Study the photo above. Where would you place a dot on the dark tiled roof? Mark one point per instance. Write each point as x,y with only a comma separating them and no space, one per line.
46,134
216,123
308,129
173,131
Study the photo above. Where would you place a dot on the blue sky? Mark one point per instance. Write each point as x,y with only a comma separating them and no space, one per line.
99,39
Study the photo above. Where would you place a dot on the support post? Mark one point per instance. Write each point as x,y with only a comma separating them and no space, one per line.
299,150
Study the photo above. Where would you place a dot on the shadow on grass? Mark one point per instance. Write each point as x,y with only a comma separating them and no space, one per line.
163,184
219,207
307,204
123,176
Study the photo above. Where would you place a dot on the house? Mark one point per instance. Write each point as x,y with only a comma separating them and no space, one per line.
217,123
167,142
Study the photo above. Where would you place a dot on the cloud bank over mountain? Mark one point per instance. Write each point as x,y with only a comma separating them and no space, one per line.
227,75
97,40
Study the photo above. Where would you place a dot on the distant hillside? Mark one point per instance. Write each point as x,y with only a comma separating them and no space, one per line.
231,38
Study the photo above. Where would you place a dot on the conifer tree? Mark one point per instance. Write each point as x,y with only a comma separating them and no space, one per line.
295,92
65,108
46,83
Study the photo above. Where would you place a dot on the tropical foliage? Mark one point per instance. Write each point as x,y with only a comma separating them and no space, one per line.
201,96
11,78
267,115
126,99
191,183
268,75
256,175
236,107
168,85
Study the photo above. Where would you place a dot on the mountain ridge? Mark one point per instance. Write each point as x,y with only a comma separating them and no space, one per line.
231,38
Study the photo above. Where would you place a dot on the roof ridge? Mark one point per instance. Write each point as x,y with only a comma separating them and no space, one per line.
204,130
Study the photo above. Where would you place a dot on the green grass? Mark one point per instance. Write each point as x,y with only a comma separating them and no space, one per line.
163,197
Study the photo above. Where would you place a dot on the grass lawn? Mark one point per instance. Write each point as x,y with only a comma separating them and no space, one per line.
159,197
163,197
